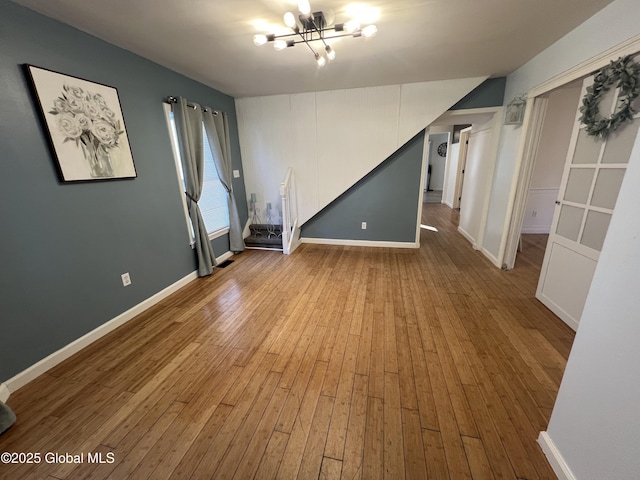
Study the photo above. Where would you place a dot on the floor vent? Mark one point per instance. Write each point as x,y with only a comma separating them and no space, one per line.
225,264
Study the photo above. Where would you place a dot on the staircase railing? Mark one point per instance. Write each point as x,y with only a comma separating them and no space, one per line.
290,227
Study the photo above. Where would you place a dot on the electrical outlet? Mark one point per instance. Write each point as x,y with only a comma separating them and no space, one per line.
236,174
364,225
534,214
126,279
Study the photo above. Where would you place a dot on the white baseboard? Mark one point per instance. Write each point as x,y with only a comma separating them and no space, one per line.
4,392
448,204
65,352
464,233
359,243
554,457
223,257
491,257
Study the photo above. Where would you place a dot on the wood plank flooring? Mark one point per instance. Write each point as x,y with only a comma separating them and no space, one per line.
334,362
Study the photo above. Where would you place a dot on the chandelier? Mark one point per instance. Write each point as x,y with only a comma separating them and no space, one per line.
311,28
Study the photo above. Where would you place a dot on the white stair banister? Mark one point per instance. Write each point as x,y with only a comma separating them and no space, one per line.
290,227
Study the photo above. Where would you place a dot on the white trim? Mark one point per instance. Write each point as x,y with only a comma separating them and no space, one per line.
359,243
466,235
554,457
4,392
447,116
462,162
425,153
587,67
295,239
223,257
65,352
218,233
176,160
535,230
490,256
560,312
268,249
535,113
552,189
247,231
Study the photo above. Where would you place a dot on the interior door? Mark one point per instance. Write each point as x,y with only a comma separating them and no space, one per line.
462,163
593,173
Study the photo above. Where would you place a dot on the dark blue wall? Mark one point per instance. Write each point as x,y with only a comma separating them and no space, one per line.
64,246
386,198
489,93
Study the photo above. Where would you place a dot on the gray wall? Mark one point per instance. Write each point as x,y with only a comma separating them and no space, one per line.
386,198
64,246
489,93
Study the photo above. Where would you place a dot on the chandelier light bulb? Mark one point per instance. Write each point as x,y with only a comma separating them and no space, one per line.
290,20
351,26
331,53
369,30
259,39
320,59
304,7
280,45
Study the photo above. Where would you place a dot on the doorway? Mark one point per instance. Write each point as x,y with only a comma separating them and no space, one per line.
436,165
482,151
577,221
548,164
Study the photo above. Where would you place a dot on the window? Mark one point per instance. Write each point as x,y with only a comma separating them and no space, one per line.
213,201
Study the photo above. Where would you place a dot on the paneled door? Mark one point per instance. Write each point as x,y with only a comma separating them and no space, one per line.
593,173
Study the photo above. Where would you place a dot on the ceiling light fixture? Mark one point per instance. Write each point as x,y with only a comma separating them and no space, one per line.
312,27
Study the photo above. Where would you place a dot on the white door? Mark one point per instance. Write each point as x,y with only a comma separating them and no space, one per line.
593,172
462,163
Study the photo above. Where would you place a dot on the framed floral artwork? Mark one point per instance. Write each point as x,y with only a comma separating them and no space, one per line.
85,125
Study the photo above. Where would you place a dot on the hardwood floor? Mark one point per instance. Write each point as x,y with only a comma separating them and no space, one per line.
334,362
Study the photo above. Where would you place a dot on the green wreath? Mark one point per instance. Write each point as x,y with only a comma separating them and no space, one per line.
622,73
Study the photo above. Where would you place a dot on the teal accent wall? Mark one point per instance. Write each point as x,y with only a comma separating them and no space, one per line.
386,198
489,93
64,246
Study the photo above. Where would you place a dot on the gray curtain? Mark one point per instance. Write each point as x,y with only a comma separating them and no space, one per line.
216,124
189,127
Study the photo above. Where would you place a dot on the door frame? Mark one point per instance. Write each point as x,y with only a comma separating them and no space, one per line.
495,116
530,138
462,162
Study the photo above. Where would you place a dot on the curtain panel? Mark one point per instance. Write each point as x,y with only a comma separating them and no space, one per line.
188,120
216,125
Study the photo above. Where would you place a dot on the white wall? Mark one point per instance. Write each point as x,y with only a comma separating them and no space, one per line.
450,176
437,162
554,139
596,419
332,139
475,187
614,24
549,163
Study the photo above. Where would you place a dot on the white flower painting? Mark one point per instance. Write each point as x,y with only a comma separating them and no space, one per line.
85,125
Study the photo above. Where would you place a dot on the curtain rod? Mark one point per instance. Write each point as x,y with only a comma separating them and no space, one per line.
204,109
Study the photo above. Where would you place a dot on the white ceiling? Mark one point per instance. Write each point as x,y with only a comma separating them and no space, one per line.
418,40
